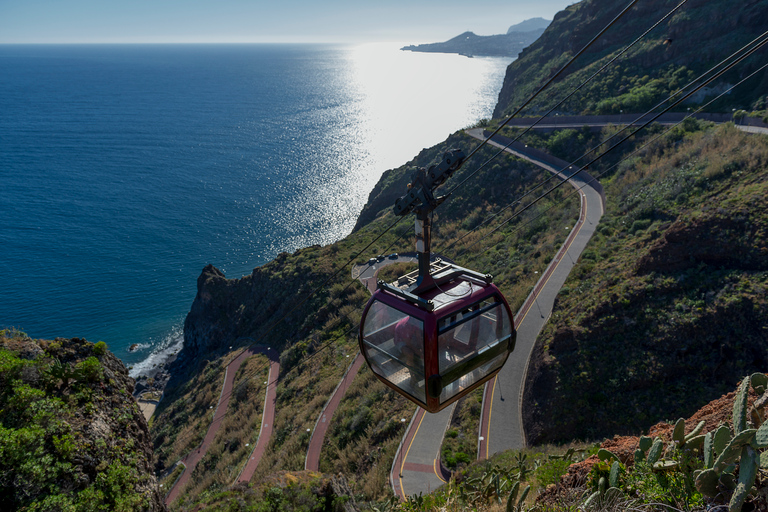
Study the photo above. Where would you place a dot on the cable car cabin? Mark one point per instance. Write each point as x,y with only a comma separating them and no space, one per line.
436,346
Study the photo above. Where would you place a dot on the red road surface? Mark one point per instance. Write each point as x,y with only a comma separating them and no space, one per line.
192,458
267,421
321,428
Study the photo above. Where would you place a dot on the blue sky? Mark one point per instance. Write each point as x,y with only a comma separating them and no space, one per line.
176,21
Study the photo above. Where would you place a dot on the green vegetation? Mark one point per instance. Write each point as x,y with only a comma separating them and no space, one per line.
182,419
666,302
669,296
304,491
686,468
317,338
687,44
364,435
460,444
69,429
508,481
238,432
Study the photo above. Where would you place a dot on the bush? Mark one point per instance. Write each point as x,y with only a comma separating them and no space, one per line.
90,369
100,348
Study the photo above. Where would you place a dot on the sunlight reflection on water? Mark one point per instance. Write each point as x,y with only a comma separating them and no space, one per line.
402,103
197,154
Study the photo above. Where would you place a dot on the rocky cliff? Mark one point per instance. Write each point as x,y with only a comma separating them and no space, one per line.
71,435
225,310
698,36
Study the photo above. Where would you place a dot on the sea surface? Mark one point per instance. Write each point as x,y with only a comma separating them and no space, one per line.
125,169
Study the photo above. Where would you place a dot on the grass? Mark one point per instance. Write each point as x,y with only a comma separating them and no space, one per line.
674,279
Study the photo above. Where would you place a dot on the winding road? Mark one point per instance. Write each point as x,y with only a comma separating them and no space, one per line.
501,425
192,458
366,274
417,468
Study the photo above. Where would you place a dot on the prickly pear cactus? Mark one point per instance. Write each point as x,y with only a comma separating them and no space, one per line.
740,407
747,472
721,439
706,482
604,454
696,432
761,437
615,474
678,435
759,382
655,452
709,452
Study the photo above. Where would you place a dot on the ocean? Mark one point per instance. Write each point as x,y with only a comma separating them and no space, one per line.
125,169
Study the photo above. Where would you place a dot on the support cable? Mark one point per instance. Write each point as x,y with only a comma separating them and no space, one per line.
518,213
560,103
746,48
557,74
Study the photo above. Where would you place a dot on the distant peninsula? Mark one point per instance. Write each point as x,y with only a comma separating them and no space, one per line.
502,45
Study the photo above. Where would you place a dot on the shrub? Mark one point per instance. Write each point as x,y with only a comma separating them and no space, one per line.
90,369
100,348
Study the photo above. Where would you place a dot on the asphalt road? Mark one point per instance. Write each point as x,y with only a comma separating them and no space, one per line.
267,418
417,467
312,462
367,274
501,427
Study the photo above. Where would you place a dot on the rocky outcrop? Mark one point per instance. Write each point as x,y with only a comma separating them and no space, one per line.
731,241
231,311
74,437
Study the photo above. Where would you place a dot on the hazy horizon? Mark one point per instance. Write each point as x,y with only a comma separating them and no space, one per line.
241,21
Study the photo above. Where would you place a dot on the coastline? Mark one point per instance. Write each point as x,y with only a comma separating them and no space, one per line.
149,386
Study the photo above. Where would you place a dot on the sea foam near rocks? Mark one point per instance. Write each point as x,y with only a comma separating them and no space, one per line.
167,349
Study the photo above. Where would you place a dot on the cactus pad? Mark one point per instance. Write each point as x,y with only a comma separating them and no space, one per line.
655,452
665,465
696,431
604,454
709,456
721,440
740,407
759,380
747,473
613,477
706,482
761,437
678,435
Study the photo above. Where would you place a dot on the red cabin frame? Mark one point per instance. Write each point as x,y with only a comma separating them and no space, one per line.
437,346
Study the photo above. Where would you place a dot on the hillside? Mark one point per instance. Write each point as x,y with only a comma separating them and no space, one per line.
529,25
71,435
690,42
669,302
318,337
663,312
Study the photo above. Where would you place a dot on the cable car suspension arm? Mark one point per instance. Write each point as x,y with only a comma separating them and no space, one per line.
421,199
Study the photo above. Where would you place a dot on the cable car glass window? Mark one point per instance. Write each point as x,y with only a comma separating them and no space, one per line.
471,344
394,347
